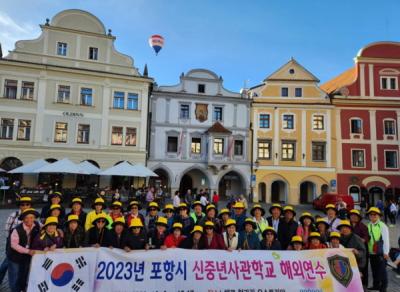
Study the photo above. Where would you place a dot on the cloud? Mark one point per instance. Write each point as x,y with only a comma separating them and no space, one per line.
11,31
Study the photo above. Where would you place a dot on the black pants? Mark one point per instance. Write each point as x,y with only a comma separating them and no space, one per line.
364,271
392,218
379,273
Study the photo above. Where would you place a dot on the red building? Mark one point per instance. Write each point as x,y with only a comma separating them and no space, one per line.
367,102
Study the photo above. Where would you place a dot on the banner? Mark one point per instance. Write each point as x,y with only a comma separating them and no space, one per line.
106,270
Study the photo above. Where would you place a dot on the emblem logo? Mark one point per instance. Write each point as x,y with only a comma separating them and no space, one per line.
341,269
201,112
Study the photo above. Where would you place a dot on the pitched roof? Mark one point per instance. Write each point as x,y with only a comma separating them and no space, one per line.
346,78
218,128
299,73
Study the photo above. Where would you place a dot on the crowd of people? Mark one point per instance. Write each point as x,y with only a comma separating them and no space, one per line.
200,225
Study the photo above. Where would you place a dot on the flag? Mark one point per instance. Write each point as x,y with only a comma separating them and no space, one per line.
180,144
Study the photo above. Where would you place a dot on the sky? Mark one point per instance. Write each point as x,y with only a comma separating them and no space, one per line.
242,41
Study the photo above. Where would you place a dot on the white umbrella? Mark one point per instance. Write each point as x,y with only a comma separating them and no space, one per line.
89,167
30,167
2,170
127,169
62,166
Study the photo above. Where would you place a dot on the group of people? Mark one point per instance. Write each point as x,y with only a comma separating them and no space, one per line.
190,227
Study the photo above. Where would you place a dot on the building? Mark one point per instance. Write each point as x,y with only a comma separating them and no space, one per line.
367,106
69,93
293,143
199,136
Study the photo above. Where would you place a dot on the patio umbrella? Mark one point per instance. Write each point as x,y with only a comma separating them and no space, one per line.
2,170
62,166
127,169
30,167
89,167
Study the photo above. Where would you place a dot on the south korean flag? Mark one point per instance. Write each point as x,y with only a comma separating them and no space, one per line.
63,270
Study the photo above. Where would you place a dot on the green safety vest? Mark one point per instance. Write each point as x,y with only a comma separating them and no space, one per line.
375,234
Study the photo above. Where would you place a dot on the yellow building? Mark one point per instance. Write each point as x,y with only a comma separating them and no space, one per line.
293,139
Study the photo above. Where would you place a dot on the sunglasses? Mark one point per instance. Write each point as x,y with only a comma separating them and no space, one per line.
168,211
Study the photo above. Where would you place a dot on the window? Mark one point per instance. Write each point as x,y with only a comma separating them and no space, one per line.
172,146
318,151
356,126
24,130
390,159
83,134
298,92
61,49
288,150
238,149
7,128
390,127
264,149
116,136
27,90
132,101
185,111
264,121
318,122
218,113
201,88
86,96
93,53
10,89
218,146
196,145
118,101
389,83
63,93
358,158
288,122
61,133
284,91
130,138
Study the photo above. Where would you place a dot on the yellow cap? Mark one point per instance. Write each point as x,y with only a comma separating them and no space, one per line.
330,206
211,206
177,225
162,221
119,220
257,206
136,222
196,203
168,207
356,212
55,206
305,215
289,208
209,224
98,201
76,200
314,235
343,223
238,205
334,234
374,210
197,228
321,220
100,216
25,200
183,206
51,220
72,217
230,222
297,238
223,211
116,204
153,205
250,221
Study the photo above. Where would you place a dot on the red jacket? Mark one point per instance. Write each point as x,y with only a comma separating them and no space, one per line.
310,246
172,241
217,242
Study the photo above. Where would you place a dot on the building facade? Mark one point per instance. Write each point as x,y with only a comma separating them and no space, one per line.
69,93
367,106
293,143
199,136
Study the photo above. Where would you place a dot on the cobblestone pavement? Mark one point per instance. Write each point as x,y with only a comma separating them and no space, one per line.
394,283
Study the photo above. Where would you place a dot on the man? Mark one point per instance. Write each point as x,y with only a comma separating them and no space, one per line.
239,214
19,250
276,221
152,216
197,213
289,226
331,217
177,200
378,248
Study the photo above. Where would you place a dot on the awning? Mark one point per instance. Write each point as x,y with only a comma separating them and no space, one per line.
89,167
62,166
127,169
30,167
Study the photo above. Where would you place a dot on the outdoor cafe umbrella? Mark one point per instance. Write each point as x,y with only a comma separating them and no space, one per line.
89,167
127,169
62,166
30,167
2,170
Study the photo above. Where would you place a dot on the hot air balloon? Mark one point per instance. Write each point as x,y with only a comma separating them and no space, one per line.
156,42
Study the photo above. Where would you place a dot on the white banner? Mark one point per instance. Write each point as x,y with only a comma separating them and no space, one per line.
107,270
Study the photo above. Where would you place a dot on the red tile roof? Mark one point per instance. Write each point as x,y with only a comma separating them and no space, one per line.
218,128
346,78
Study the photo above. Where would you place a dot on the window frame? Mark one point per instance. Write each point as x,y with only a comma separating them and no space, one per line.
129,97
352,156
81,96
66,132
65,49
388,82
81,131
5,94
318,143
397,158
181,106
31,93
199,85
177,144
221,113
220,144
196,145
266,149
63,99
234,147
293,121
126,136
268,120
117,132
25,130
301,92
292,142
91,54
394,127
9,129
323,122
351,126
287,91
123,100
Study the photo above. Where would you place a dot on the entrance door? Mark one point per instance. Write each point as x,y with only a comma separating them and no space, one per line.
307,192
186,184
278,192
375,195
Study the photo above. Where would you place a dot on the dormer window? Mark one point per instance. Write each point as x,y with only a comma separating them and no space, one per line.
389,83
291,71
201,88
93,53
61,49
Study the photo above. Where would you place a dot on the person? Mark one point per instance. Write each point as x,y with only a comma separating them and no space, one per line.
151,217
116,197
215,199
133,212
334,240
158,234
174,239
74,234
306,226
169,214
194,241
270,241
239,215
116,210
392,213
314,241
48,239
77,209
54,199
248,239
136,238
150,195
289,226
118,233
184,218
204,200
188,197
243,200
211,215
230,235
258,213
351,240
296,243
378,248
99,235
275,220
197,213
55,211
211,239
224,216
341,207
331,217
98,207
322,228
177,200
19,249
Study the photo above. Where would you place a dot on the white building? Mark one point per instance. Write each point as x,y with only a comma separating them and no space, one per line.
69,93
199,135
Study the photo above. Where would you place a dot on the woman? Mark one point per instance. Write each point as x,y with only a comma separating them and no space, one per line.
211,239
270,241
55,211
158,234
98,207
74,234
77,209
223,216
334,240
296,243
152,216
231,236
258,217
133,212
193,241
118,233
136,238
322,228
54,199
211,215
169,214
175,238
184,218
49,238
306,226
116,211
99,235
314,241
248,239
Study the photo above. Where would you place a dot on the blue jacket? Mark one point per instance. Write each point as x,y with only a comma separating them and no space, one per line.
253,242
239,221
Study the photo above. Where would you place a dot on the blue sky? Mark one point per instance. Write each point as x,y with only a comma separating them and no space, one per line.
240,40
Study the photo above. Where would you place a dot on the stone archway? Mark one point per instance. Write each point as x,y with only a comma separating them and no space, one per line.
194,179
279,191
231,184
307,192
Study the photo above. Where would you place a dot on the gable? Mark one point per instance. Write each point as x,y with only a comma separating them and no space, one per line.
292,71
